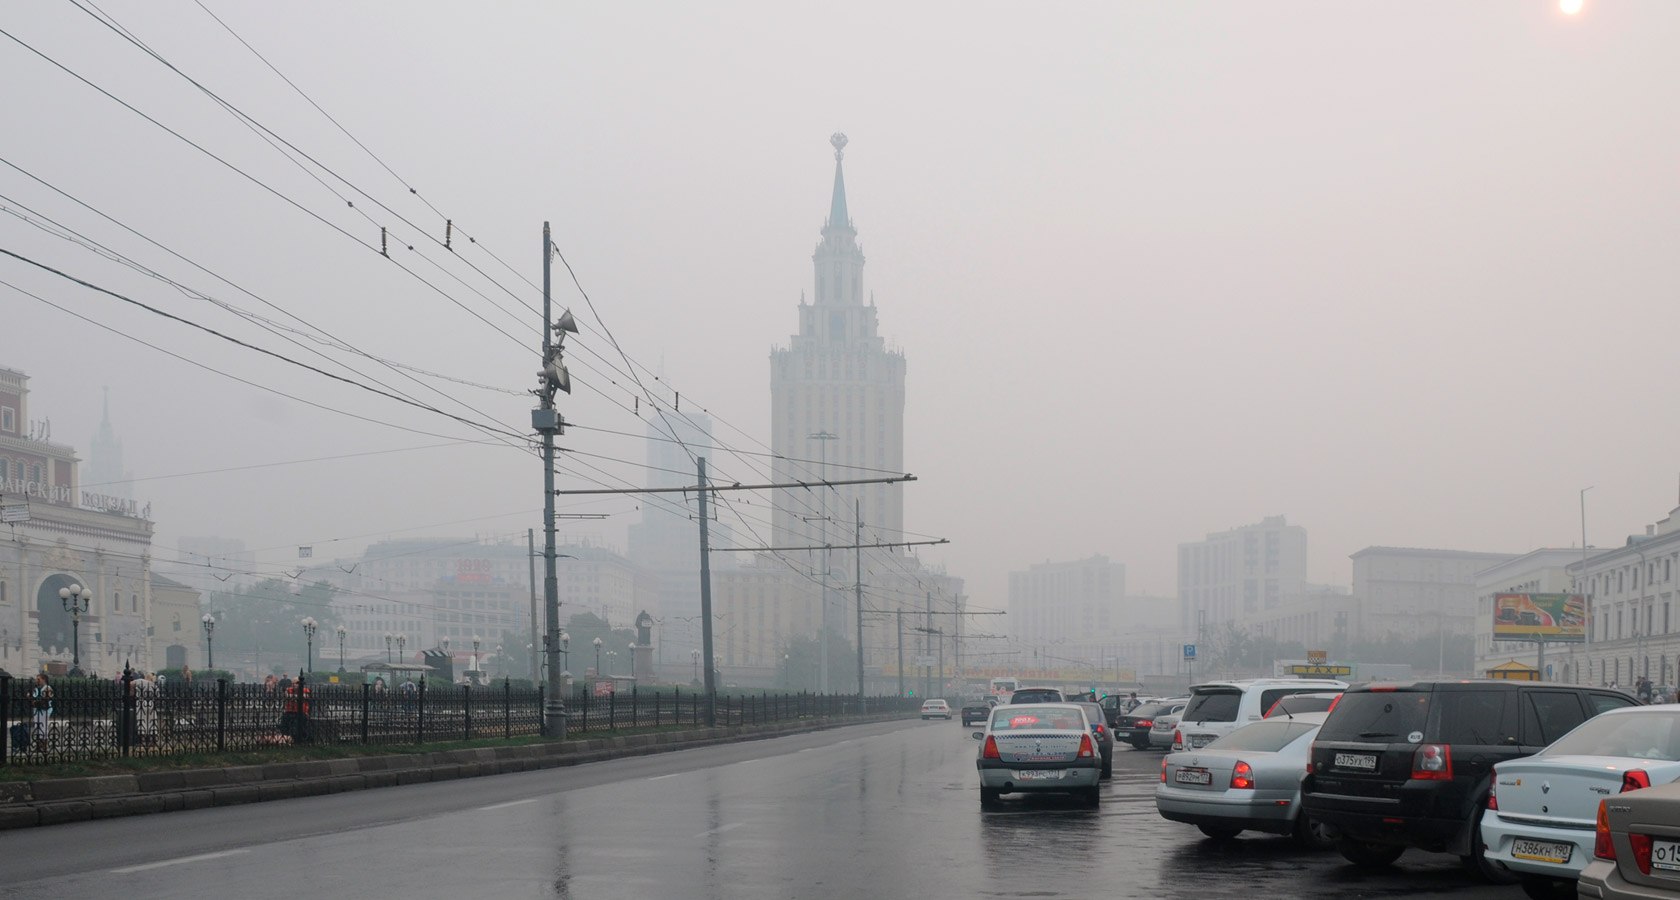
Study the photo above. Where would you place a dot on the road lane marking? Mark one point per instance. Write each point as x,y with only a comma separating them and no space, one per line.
719,830
175,862
508,804
662,777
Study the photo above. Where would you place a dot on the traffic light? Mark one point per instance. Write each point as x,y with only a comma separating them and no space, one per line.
912,692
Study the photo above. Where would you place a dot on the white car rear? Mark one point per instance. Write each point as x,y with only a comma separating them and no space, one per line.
940,708
1218,708
1540,820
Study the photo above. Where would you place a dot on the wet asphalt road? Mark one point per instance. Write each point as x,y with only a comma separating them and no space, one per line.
888,810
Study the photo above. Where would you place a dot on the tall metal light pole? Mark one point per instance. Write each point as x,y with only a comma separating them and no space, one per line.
1588,610
309,626
76,600
402,641
547,421
597,643
389,637
696,654
476,641
341,649
822,513
632,659
209,623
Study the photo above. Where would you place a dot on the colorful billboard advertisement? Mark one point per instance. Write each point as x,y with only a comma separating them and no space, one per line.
1559,618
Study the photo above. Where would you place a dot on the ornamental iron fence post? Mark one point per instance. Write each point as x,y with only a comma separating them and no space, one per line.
126,739
466,711
420,714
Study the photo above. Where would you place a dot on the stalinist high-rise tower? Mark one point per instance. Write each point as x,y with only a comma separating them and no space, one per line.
837,400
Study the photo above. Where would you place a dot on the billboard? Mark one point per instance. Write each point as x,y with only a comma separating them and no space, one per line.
1559,618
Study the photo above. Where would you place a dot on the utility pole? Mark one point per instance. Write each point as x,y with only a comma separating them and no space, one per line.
941,639
900,615
927,682
531,558
706,600
822,515
858,551
547,421
956,640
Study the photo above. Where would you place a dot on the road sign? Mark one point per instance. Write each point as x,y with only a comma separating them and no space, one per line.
14,512
926,661
1321,670
1189,651
1317,657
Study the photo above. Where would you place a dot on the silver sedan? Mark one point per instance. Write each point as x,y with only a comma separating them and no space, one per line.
1038,747
1247,780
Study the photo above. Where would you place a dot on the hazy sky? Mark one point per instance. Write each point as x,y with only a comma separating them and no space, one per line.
1403,272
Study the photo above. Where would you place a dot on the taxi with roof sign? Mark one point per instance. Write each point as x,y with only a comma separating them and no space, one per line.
1038,748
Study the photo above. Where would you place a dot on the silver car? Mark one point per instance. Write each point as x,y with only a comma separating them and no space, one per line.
1166,725
1248,780
1038,747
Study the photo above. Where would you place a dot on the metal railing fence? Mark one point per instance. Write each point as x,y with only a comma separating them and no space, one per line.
91,719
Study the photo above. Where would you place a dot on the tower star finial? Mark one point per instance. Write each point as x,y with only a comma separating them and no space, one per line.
838,139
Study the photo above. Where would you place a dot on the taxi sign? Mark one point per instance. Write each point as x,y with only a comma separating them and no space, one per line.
1321,670
1318,657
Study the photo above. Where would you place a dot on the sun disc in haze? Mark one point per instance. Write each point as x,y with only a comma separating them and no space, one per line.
1569,7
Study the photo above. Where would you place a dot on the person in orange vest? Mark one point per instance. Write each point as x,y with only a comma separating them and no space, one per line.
297,696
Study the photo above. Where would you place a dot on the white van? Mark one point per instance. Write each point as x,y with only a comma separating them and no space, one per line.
1218,708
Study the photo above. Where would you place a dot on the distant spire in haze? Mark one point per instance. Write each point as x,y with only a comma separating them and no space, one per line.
837,217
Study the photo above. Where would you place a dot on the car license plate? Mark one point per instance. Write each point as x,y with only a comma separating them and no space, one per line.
1038,757
1544,851
1199,741
1193,776
1040,775
1665,855
1365,761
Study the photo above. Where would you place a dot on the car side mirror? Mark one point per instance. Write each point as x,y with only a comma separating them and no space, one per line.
978,735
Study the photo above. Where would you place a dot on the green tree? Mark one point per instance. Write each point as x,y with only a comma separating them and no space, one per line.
584,628
268,617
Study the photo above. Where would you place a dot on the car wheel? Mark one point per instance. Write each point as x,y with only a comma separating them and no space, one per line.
1313,835
1368,855
989,797
1539,887
1220,832
1093,796
1477,862
1108,767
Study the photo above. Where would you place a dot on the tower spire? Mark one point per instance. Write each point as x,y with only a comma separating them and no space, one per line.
837,217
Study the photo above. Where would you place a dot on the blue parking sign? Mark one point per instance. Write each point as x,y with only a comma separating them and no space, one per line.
1189,651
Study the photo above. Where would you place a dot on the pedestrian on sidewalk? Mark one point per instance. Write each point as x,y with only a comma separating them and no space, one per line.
41,705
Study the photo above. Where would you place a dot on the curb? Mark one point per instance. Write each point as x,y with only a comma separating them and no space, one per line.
28,804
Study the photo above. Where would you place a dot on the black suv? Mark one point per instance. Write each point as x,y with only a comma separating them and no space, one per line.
1407,765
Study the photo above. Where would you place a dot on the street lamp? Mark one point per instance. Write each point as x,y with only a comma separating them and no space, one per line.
597,643
341,649
565,644
209,646
476,641
402,641
696,655
632,659
502,660
611,666
389,637
72,597
309,626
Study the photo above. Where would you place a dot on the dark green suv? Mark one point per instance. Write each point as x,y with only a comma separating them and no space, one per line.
1408,765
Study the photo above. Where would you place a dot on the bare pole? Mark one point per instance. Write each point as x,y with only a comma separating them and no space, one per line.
706,601
900,617
531,558
1587,629
858,515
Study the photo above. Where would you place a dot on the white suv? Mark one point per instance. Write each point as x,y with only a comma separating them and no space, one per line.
1221,707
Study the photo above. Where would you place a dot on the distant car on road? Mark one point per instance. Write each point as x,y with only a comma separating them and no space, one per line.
1133,727
931,708
1037,695
975,711
1038,747
1248,780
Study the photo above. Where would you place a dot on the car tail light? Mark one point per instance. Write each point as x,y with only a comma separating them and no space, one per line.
991,751
1311,751
1099,729
1143,723
1163,768
1641,844
1635,779
1493,793
1603,846
1084,746
1178,740
1433,762
1242,776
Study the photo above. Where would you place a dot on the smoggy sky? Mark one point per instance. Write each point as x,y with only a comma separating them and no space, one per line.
1403,272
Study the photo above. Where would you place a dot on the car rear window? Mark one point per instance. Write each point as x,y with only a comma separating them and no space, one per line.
1028,718
1484,717
1297,705
1267,737
1037,697
1377,716
1641,736
1150,709
1212,706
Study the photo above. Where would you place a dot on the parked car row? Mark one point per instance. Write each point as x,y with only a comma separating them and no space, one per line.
1526,782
